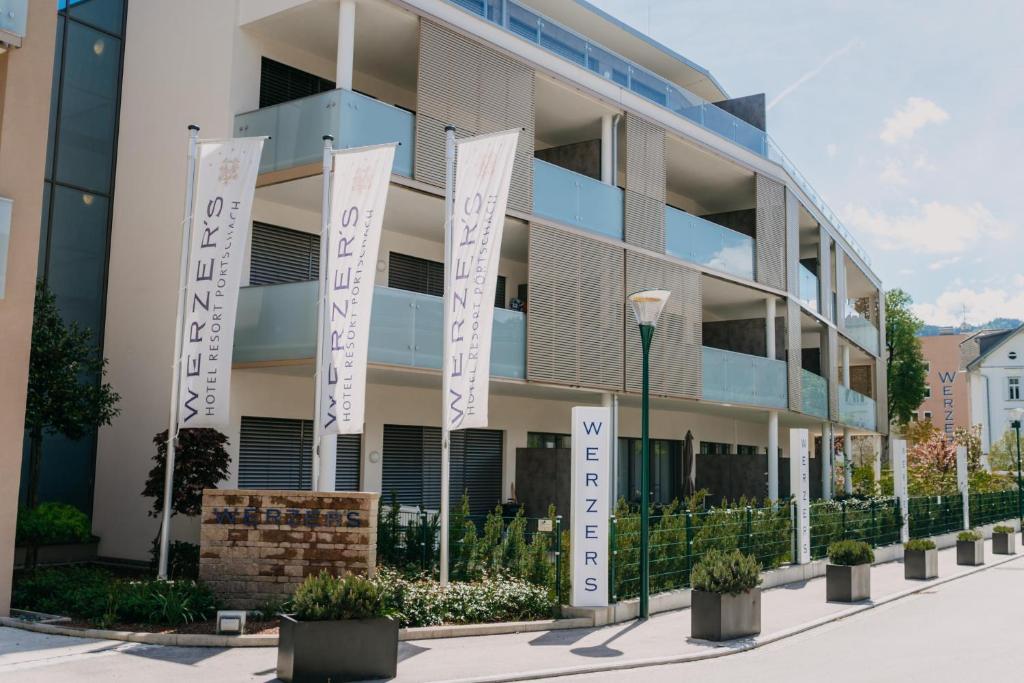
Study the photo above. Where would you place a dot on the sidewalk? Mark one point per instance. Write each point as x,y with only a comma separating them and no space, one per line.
664,638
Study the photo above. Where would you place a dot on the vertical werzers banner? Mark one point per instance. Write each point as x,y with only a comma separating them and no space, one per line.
359,192
226,173
483,173
591,474
800,489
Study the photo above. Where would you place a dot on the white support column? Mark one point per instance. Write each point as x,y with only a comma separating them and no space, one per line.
769,327
877,465
898,459
607,173
328,462
961,483
346,44
773,456
826,460
847,461
846,366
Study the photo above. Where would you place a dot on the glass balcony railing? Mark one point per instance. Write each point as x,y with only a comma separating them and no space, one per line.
808,288
697,240
576,199
856,410
536,28
278,322
814,393
731,377
296,128
863,332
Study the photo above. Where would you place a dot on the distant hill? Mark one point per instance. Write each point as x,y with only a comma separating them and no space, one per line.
996,324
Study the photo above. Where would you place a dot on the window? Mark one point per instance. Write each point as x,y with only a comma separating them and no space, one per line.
1013,388
282,83
744,449
927,367
283,255
666,460
928,391
414,274
276,453
544,440
1012,355
927,416
714,448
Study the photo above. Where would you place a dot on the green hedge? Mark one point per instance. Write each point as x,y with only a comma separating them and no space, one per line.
52,523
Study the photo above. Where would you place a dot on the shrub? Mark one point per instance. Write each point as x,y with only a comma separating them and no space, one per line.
182,559
850,553
919,544
726,572
969,536
52,523
1002,529
324,597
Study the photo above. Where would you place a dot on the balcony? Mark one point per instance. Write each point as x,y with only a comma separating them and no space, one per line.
296,128
856,410
814,394
731,377
277,323
808,288
863,332
700,241
575,199
569,45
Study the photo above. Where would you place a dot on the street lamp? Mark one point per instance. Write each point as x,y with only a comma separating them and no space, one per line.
647,306
1016,414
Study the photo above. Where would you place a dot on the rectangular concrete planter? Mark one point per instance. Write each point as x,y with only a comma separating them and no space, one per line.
847,583
1004,544
921,564
351,650
717,616
970,553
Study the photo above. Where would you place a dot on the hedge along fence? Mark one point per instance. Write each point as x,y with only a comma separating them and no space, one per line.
876,521
997,506
679,538
934,515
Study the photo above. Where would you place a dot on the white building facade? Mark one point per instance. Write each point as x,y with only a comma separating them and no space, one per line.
994,362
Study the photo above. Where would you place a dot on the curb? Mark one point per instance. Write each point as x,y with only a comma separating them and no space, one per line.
726,649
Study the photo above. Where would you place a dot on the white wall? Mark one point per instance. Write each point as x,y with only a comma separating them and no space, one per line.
991,406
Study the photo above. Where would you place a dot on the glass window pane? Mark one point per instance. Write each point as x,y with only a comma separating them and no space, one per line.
78,248
104,14
54,91
44,229
88,108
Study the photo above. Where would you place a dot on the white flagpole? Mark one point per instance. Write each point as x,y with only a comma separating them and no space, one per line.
172,430
325,225
449,195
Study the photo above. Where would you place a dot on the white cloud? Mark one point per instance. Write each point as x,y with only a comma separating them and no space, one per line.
922,163
906,271
933,227
942,263
1018,280
831,149
892,173
979,306
914,114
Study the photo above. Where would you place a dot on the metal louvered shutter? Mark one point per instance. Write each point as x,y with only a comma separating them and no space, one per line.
794,355
282,255
825,274
346,474
480,454
403,465
644,217
770,232
282,83
793,243
414,274
275,453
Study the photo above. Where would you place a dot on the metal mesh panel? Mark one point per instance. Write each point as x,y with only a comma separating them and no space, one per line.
793,243
477,90
794,355
644,220
676,357
770,232
825,274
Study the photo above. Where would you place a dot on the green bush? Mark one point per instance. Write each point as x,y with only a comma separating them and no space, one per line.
729,572
919,544
969,536
52,523
850,553
96,595
182,559
324,597
1002,529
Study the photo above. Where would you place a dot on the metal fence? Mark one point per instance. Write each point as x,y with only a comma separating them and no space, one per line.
876,522
679,539
997,506
934,515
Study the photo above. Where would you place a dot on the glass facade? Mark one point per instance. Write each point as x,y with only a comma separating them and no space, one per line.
77,202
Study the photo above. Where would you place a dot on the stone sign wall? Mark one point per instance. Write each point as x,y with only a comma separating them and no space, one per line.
257,546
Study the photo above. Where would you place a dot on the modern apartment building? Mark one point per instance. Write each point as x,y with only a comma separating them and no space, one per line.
947,400
993,361
635,170
26,61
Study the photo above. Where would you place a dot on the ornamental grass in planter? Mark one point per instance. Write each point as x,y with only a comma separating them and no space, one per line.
970,548
1004,541
725,602
848,574
920,559
339,631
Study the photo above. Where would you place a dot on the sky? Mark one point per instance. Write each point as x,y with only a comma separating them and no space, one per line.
906,116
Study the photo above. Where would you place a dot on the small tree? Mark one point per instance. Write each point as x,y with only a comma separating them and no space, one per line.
905,368
200,462
1002,457
66,392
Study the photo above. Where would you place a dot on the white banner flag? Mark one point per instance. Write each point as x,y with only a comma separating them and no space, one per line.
226,173
483,173
359,191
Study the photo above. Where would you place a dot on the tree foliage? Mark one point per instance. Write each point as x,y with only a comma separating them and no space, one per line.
200,462
66,392
905,367
1002,456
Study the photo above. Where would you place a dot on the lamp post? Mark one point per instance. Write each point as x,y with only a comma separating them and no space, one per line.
647,306
1016,414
